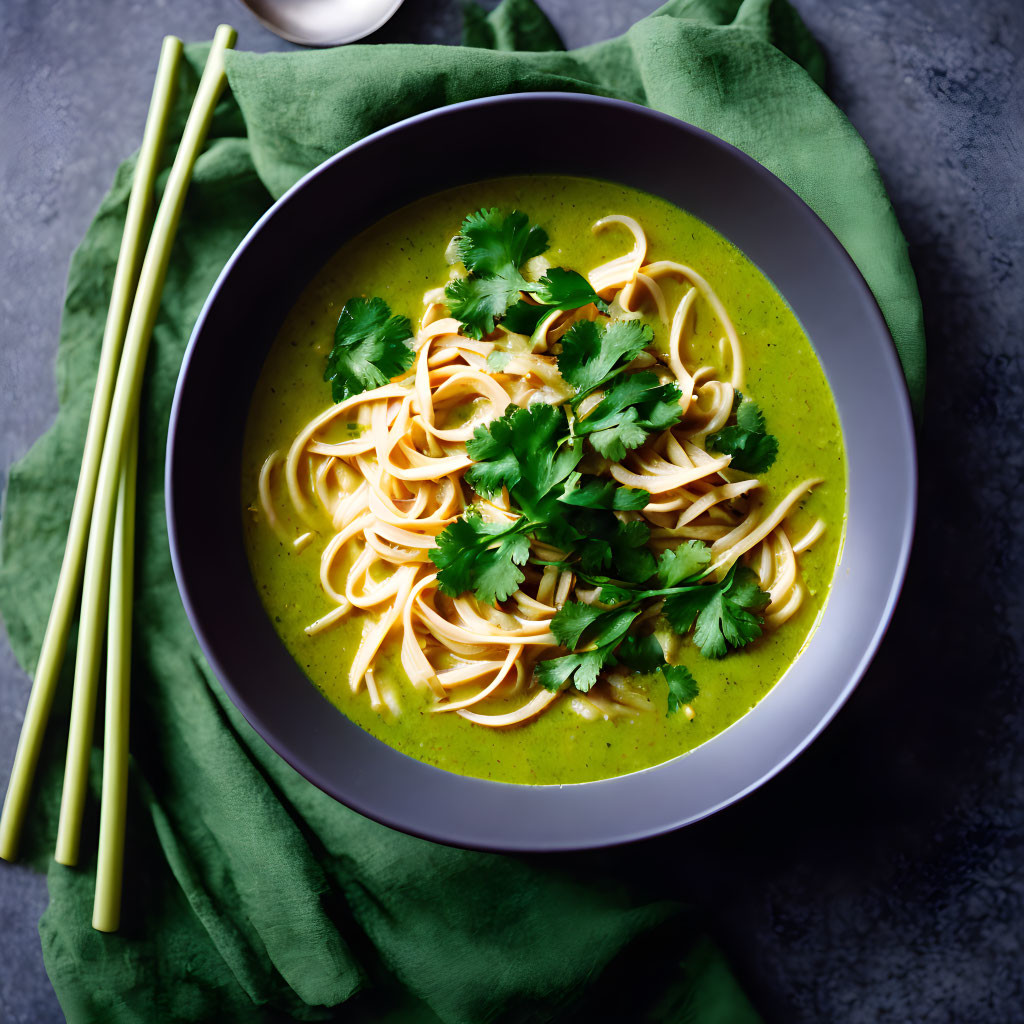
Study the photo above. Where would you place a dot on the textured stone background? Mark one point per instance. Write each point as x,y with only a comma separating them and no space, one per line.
881,877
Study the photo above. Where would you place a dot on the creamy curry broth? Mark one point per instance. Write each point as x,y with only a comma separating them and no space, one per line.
400,258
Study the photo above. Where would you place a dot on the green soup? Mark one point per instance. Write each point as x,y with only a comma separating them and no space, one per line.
399,259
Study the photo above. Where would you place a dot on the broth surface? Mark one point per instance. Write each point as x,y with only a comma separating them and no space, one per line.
400,258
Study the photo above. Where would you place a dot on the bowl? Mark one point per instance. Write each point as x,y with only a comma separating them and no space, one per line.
692,169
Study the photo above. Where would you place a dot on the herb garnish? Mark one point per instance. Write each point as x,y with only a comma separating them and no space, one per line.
493,250
633,407
724,614
537,456
752,448
370,347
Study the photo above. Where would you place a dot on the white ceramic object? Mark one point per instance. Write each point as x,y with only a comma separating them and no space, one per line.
322,22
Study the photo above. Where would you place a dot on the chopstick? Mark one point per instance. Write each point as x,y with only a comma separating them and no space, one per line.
51,656
105,509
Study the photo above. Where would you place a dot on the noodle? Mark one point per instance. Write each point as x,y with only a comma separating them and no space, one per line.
380,498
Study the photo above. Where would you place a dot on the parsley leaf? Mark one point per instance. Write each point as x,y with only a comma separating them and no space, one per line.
592,354
630,411
489,244
724,613
566,289
370,347
752,449
474,554
682,687
678,564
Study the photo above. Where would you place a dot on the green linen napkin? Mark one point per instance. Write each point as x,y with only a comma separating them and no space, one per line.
249,894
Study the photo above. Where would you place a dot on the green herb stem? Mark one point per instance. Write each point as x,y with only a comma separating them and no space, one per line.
124,409
51,655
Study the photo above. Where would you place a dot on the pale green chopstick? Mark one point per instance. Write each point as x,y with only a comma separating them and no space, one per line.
51,655
106,910
123,412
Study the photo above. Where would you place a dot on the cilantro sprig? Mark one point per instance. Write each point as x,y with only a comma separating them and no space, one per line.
593,354
752,448
533,454
723,615
475,554
493,248
631,410
490,242
633,406
370,347
529,451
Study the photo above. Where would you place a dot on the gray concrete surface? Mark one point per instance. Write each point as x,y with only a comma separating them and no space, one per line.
879,878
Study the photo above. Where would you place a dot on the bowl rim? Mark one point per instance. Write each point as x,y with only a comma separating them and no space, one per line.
519,801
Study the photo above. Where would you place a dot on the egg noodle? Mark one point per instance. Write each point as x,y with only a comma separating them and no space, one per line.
380,495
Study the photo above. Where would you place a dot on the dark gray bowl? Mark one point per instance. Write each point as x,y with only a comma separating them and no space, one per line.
284,250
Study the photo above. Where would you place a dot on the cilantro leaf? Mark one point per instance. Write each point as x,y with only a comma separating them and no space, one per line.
478,301
643,654
748,414
682,687
572,620
630,411
604,541
598,493
489,243
614,594
724,614
752,449
582,668
631,499
497,572
614,441
592,354
527,450
751,452
474,554
683,562
496,460
493,249
566,289
370,347
523,317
